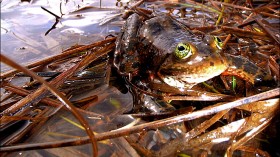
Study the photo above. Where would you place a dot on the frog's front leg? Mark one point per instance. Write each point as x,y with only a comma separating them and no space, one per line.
246,70
126,57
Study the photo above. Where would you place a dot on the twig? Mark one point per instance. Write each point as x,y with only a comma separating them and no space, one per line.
53,27
267,30
270,15
48,101
226,41
232,5
56,16
244,33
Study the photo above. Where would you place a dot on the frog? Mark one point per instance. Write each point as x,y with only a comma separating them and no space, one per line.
163,49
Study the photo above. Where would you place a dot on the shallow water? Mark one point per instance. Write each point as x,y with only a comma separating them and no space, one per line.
23,27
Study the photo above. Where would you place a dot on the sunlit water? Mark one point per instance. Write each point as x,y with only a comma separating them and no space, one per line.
23,27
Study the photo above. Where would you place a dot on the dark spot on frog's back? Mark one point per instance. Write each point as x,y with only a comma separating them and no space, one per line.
244,64
156,28
135,65
211,63
174,25
250,68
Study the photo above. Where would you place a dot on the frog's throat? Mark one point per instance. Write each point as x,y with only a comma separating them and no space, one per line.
188,80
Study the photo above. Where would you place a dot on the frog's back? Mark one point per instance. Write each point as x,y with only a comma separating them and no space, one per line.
165,33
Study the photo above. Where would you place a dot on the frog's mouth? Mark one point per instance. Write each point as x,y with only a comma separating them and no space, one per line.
171,81
186,79
183,81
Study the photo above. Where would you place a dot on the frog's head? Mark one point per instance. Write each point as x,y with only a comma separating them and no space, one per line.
193,62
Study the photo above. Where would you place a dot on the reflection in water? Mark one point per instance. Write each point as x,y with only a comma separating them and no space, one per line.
23,27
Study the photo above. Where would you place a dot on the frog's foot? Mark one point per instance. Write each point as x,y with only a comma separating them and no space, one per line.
151,105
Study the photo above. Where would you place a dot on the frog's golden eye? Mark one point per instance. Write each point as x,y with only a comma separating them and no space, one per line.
183,51
218,42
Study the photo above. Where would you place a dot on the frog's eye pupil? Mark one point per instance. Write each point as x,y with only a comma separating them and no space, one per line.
181,48
218,42
218,39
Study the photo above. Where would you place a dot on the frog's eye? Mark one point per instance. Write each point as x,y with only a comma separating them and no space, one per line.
183,51
218,42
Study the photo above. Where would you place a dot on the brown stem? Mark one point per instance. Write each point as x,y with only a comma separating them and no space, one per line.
226,41
49,101
232,5
264,26
244,33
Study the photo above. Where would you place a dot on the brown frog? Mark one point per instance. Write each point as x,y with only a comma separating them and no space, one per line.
162,48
